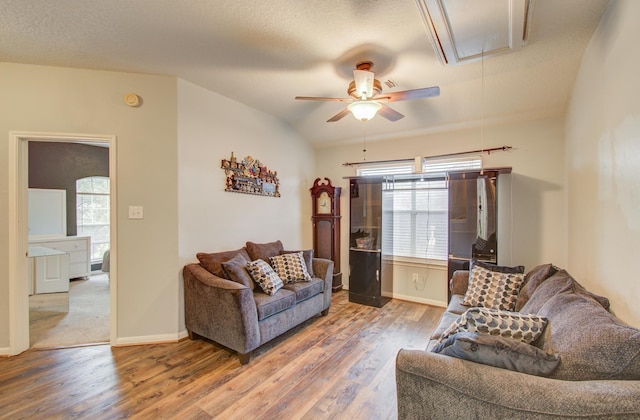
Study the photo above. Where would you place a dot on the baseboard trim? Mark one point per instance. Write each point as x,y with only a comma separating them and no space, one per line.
412,299
416,299
149,339
5,351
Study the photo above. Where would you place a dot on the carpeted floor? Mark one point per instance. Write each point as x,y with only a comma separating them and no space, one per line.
68,319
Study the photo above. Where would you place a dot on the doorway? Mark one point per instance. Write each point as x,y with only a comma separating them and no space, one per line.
18,238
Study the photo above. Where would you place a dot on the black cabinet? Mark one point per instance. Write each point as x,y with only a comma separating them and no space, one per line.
473,217
368,240
365,281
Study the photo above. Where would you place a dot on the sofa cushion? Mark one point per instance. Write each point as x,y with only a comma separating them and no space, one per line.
263,274
306,290
268,305
592,343
493,286
505,353
446,320
236,269
212,262
532,280
263,251
307,254
455,305
290,267
560,282
525,328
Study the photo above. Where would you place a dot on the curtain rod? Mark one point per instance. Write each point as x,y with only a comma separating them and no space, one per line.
487,151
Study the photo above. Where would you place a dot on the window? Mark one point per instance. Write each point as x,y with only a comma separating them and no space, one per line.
417,205
419,211
92,213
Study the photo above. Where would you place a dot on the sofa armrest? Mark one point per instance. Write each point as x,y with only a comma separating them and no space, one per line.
323,269
221,310
436,386
459,282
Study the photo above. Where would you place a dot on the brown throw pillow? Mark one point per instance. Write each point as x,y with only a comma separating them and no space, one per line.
532,280
263,251
212,262
236,270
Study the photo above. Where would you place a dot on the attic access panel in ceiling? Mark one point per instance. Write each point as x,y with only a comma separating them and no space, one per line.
464,31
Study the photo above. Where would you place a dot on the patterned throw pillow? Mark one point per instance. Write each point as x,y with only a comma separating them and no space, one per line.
263,274
290,267
525,328
493,288
307,255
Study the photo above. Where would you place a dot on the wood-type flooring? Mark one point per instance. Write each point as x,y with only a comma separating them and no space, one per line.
341,366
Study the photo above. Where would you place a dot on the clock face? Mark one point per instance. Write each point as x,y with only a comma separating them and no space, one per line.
324,203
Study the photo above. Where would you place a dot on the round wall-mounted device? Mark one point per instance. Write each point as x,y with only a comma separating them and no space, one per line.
132,99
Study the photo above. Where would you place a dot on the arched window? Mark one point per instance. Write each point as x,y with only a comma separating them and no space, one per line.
92,213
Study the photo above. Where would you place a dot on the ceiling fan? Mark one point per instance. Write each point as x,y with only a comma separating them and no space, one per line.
366,97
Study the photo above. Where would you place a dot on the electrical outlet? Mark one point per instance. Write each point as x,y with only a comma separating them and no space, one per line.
415,277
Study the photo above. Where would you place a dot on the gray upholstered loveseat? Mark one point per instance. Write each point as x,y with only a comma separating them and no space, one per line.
223,303
597,371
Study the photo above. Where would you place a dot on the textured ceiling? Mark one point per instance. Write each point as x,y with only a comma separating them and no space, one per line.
263,54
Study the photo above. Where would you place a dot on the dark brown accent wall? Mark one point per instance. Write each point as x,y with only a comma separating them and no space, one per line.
59,165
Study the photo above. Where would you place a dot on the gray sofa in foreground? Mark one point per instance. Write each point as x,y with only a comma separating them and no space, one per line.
222,305
597,375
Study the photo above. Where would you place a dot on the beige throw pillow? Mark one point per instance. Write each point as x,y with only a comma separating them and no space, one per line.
490,288
290,267
263,274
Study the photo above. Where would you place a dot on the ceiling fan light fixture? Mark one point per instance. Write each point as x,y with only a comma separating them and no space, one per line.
364,110
365,97
364,83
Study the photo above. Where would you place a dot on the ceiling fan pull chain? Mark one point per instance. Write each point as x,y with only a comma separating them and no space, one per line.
364,141
482,100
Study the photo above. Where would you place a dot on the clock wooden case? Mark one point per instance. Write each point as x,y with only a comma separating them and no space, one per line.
326,225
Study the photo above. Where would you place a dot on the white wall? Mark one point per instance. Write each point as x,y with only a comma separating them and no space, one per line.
53,99
150,150
210,127
538,226
603,163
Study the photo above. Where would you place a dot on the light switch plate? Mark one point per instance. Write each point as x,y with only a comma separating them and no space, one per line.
135,212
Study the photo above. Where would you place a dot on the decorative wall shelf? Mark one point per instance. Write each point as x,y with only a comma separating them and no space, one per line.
250,176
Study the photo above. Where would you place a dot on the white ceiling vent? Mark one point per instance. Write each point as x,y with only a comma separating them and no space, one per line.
463,31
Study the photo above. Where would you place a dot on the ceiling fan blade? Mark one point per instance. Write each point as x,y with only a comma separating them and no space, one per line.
408,95
340,115
364,83
390,114
317,98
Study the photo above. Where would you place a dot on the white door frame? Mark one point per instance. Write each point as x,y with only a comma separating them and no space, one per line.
18,230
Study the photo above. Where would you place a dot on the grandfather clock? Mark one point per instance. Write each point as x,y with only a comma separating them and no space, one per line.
326,225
